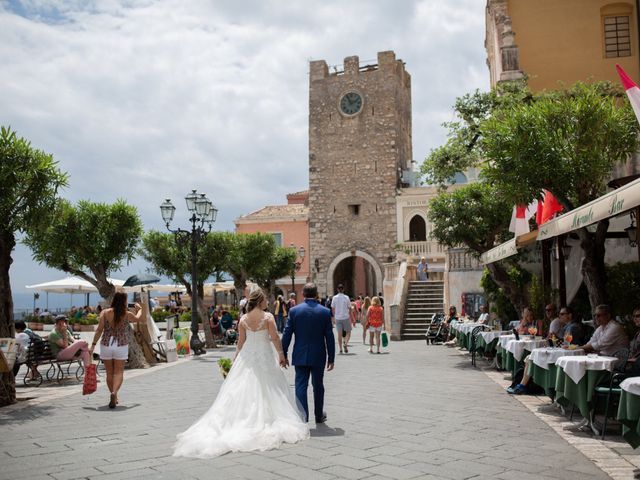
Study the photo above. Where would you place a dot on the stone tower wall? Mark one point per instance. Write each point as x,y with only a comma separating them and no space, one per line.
356,160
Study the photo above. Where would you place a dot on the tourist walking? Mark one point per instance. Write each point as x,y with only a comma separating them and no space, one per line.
363,318
114,347
423,270
340,305
280,312
255,408
375,323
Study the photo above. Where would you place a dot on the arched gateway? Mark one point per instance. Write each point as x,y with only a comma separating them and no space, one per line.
358,271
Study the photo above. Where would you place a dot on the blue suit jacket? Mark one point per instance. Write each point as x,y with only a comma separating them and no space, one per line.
311,324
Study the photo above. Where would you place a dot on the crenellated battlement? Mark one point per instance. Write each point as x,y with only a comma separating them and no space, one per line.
318,69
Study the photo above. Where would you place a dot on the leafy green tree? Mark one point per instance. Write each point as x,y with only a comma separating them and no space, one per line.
29,183
463,148
477,216
172,259
566,142
250,258
281,263
90,240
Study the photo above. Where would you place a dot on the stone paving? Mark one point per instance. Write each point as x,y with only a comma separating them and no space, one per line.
414,412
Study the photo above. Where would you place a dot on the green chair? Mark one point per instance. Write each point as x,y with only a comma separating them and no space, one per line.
610,389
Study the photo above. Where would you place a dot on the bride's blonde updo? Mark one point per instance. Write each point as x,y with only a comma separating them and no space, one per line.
256,296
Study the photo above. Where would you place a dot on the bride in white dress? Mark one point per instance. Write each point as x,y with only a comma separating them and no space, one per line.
255,409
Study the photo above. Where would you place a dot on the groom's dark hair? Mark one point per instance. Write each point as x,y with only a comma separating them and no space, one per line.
310,290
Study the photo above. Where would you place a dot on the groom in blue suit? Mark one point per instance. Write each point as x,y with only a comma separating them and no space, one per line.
314,347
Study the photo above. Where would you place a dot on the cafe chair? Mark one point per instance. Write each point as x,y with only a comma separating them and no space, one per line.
474,341
610,388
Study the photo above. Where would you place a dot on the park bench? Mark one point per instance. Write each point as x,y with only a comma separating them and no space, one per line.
39,354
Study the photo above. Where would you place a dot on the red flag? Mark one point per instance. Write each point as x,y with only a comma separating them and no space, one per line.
550,206
633,92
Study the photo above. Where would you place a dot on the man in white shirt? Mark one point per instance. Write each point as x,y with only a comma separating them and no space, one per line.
484,316
556,324
340,305
609,337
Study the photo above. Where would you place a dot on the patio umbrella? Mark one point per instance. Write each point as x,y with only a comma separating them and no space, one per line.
140,279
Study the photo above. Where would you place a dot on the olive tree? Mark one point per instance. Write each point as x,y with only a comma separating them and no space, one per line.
29,183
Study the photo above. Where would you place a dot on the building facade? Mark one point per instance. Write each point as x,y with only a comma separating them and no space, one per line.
556,43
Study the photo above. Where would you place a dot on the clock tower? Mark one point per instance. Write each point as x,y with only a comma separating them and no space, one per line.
359,147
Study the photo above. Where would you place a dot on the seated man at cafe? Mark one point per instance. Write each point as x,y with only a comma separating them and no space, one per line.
484,316
566,314
609,337
634,347
63,346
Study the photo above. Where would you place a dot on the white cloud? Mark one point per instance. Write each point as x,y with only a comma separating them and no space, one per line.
144,100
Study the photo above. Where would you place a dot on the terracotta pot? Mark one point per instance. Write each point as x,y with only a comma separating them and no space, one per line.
36,326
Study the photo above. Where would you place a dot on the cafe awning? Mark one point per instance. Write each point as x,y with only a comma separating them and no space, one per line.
500,252
608,205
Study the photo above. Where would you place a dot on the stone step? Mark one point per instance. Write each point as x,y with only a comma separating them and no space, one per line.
412,337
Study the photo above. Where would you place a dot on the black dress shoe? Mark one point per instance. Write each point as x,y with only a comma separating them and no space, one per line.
322,419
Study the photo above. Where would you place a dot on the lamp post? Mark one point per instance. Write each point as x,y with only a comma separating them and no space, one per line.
296,266
203,215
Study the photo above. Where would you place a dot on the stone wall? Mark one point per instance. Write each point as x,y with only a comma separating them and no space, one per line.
356,160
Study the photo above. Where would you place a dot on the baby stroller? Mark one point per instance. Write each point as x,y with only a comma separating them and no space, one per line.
436,330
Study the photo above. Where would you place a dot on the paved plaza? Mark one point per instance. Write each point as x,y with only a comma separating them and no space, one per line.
414,412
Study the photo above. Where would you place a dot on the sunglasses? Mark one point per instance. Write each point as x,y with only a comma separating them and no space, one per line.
564,313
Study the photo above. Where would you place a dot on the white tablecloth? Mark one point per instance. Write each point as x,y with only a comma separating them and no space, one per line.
576,367
467,328
504,339
631,385
517,347
492,335
543,357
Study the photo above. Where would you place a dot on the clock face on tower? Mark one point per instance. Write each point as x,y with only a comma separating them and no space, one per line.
351,103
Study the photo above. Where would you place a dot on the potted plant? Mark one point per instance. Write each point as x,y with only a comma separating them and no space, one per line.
49,323
225,365
33,322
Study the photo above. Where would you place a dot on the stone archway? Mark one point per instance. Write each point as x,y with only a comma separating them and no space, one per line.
359,254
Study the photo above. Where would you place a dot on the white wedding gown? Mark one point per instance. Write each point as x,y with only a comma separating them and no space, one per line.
254,410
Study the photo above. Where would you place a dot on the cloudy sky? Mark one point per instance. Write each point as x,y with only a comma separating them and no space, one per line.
145,100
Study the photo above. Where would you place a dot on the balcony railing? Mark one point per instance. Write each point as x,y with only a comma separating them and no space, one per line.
423,249
459,259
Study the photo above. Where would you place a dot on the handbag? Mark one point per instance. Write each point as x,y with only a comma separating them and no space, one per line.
90,380
385,338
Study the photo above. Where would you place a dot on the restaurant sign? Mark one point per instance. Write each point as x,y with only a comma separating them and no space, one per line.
503,250
608,205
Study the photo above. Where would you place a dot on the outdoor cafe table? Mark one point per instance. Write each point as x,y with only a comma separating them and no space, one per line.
465,329
515,349
542,366
577,378
501,348
488,340
629,411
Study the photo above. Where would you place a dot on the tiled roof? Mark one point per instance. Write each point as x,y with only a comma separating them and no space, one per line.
277,211
301,192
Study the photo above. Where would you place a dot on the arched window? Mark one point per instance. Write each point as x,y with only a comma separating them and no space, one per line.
417,229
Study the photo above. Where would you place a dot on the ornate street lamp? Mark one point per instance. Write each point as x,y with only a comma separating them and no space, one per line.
296,266
203,215
632,230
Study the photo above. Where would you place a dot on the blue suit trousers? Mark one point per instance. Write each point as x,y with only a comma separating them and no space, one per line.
302,384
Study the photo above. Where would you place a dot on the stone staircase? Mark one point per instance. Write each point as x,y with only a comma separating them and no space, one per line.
423,300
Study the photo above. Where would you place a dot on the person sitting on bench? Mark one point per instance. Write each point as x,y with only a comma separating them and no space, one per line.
63,346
